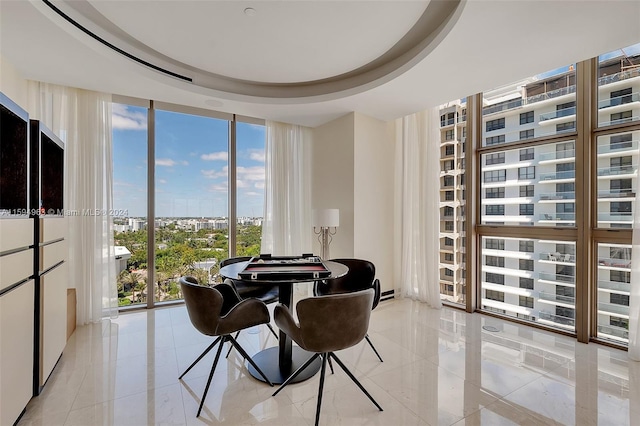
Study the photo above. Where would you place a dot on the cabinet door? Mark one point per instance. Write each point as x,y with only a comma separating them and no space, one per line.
16,351
53,319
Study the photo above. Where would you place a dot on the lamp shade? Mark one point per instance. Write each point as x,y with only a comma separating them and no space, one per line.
325,218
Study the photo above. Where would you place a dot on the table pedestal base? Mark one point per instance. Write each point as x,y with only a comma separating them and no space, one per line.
267,360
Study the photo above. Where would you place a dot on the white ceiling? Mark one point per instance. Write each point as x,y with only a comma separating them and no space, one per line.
483,44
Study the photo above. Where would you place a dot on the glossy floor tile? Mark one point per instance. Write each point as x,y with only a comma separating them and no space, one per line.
440,368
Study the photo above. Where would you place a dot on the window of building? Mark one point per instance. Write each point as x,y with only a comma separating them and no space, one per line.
621,141
619,322
447,119
619,97
526,246
526,209
494,193
448,211
495,124
620,276
494,278
527,190
527,134
526,173
620,207
448,257
495,176
621,117
448,272
449,135
525,301
566,315
495,210
449,150
525,264
448,181
494,244
448,196
495,140
496,158
619,299
494,261
565,150
495,295
526,117
618,184
566,127
526,283
567,187
625,161
526,154
448,241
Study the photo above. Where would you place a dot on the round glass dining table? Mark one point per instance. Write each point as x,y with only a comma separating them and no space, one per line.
280,362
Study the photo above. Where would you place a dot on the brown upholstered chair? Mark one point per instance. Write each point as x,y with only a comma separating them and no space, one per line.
327,324
245,289
218,311
361,275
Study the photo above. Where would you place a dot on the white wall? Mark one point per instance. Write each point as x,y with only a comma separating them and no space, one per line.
353,160
373,195
13,84
333,181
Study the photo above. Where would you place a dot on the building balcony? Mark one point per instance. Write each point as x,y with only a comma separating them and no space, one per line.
562,279
620,217
622,264
567,112
615,286
557,155
557,196
558,257
613,331
557,217
618,171
516,103
628,194
619,100
557,299
619,76
613,308
620,121
551,94
618,147
557,319
566,175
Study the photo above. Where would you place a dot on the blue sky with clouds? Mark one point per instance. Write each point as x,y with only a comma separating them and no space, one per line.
191,164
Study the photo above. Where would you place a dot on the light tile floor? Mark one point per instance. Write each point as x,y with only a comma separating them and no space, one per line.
440,367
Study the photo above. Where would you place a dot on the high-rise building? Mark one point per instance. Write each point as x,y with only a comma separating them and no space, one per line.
535,279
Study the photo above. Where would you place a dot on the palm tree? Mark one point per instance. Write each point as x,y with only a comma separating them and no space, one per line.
129,279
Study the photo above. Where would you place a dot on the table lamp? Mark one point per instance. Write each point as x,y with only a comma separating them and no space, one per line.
323,221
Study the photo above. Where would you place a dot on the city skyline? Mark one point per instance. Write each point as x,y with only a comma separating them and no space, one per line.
190,176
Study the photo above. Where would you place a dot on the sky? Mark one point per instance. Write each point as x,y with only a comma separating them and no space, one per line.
191,164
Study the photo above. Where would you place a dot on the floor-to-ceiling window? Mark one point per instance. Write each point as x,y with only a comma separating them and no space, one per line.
189,182
555,181
130,201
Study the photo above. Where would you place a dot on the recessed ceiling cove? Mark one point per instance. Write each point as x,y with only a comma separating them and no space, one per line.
280,49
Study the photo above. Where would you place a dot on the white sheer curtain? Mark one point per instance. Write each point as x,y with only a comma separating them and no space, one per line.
82,119
634,298
418,190
286,230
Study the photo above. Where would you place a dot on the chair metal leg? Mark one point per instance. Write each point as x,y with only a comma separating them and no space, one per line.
346,370
373,347
231,346
213,368
206,351
325,356
272,330
248,358
330,365
295,374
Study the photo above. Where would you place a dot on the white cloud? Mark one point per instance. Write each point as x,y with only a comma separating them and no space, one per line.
257,155
167,162
241,184
259,185
121,183
215,156
213,174
184,163
123,119
253,194
254,174
221,187
162,181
